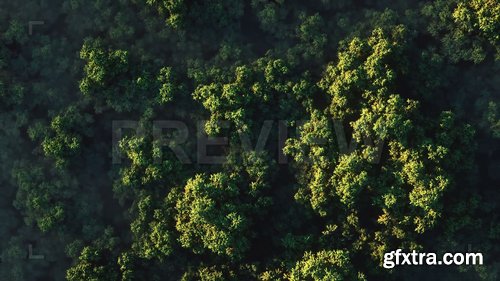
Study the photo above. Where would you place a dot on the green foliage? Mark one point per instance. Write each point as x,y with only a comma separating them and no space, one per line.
88,267
169,85
42,194
15,33
312,35
153,237
405,188
11,92
65,136
387,112
469,29
147,167
182,13
111,80
126,261
267,82
96,262
492,120
210,216
315,161
271,15
325,265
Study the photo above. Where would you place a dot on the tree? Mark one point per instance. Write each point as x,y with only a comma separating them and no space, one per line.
154,229
111,80
325,265
312,35
406,185
252,95
469,29
64,138
372,102
181,13
211,218
42,195
97,261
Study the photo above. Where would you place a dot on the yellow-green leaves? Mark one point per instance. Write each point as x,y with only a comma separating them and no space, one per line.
211,218
326,265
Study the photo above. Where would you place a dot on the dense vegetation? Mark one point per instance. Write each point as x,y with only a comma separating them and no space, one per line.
353,128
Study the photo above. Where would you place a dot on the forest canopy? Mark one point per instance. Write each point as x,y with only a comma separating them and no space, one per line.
248,140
